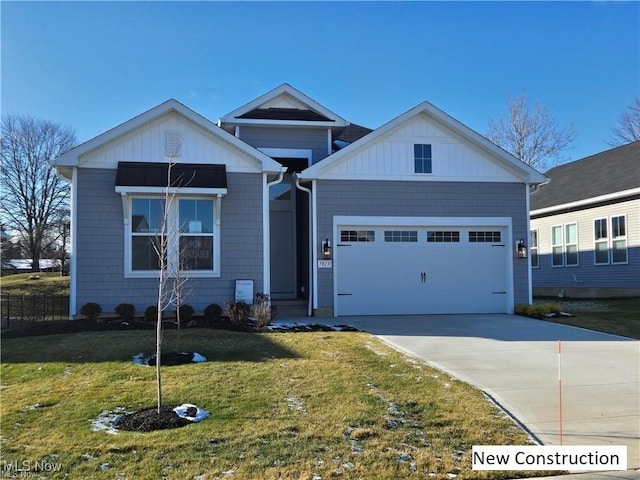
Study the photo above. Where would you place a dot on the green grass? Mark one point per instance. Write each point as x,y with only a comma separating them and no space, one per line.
48,284
619,316
282,406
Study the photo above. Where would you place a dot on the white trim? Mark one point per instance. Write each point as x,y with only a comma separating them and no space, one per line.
329,142
502,222
73,261
181,191
305,153
528,240
587,201
284,89
266,229
314,247
524,171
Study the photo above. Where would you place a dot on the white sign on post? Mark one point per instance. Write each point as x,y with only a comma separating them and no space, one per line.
244,291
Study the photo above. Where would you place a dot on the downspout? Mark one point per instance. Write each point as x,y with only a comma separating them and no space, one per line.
73,260
266,232
311,251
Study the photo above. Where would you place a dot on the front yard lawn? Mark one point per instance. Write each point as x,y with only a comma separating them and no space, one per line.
282,406
619,316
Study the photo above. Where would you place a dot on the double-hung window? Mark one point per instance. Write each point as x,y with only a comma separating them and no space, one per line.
422,158
557,246
571,244
533,248
618,239
601,241
188,239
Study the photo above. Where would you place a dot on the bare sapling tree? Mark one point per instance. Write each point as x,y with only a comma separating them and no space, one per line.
628,128
32,195
530,133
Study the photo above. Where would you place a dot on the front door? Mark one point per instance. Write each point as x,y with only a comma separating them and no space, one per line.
282,216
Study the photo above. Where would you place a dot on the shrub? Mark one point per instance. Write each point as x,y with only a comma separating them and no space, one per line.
151,314
238,312
213,312
126,310
261,310
537,311
91,310
186,312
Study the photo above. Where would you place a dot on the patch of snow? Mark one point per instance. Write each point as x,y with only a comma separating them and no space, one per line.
197,358
294,403
200,415
404,457
347,465
140,359
104,467
107,419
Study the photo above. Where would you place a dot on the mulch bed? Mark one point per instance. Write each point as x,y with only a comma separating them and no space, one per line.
149,420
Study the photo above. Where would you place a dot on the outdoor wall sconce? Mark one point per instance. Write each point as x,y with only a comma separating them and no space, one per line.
521,249
326,250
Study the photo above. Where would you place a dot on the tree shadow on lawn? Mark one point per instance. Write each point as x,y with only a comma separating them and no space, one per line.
120,346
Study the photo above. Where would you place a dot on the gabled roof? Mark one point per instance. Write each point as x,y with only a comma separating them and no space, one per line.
284,105
527,173
72,157
605,175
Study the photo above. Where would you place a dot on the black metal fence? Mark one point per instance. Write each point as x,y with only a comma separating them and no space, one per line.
29,309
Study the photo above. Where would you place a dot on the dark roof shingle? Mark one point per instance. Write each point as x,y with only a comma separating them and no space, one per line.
601,174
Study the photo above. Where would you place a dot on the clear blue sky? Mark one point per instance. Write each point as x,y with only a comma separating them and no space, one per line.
94,65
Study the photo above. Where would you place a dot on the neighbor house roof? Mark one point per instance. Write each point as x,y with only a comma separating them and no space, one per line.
601,177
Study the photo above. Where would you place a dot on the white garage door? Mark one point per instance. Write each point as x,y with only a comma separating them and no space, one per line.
421,270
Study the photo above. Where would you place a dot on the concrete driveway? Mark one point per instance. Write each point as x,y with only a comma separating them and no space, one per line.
515,361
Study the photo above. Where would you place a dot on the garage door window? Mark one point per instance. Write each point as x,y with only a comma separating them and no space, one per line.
403,236
485,237
357,236
443,237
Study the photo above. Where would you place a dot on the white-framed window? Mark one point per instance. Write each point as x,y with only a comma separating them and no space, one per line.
601,238
422,158
533,248
619,239
192,236
557,244
571,244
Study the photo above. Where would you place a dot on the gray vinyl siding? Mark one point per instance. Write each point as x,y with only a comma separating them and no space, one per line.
587,275
421,199
314,139
99,250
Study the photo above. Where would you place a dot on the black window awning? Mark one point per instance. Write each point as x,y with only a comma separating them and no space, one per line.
140,175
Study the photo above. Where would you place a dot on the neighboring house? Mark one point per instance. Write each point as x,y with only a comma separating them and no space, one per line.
421,215
585,227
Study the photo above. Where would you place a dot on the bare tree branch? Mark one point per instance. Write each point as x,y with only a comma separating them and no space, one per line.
530,133
32,195
628,129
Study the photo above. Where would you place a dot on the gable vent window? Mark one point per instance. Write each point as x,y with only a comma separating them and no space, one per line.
173,143
422,158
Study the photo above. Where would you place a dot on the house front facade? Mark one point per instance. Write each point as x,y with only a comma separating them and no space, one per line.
422,215
585,227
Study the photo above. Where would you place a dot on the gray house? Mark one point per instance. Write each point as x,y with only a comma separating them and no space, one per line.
585,227
422,215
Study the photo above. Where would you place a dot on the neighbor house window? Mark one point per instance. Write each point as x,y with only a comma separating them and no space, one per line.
189,234
422,158
601,241
618,239
533,248
557,257
571,244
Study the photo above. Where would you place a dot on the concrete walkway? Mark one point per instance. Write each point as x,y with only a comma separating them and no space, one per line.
515,360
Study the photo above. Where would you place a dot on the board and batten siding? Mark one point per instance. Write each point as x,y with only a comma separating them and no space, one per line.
99,249
454,159
421,199
147,143
587,276
314,139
